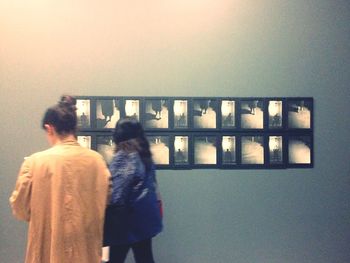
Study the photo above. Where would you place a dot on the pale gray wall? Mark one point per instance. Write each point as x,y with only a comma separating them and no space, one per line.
194,48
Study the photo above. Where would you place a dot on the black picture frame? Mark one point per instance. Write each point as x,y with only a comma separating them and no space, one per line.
206,132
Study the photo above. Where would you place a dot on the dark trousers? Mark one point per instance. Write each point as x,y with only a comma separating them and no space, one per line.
142,252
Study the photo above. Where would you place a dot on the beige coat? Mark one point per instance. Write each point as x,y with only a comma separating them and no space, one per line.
62,193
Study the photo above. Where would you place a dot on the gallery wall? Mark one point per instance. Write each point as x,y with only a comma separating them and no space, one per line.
194,48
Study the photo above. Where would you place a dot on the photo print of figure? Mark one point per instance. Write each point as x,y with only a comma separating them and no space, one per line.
252,150
83,113
276,149
180,114
299,114
159,146
181,150
252,114
132,109
205,150
299,150
107,113
228,149
105,147
84,141
204,113
228,114
156,113
275,114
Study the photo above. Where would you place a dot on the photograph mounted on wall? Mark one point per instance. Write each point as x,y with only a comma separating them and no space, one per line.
84,141
204,113
228,114
275,149
252,149
107,113
275,111
300,113
206,132
105,146
156,114
228,144
205,149
159,145
300,150
181,148
132,108
252,114
83,113
180,109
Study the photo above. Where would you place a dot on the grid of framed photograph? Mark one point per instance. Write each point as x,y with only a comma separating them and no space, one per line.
202,132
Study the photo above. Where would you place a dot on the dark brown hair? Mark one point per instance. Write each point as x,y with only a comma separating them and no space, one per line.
62,116
130,137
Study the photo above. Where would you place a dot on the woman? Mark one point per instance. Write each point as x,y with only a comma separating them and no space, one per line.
62,192
134,216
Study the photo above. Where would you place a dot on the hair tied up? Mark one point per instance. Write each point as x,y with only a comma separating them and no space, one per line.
68,102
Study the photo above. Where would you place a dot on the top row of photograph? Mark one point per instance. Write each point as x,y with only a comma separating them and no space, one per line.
197,113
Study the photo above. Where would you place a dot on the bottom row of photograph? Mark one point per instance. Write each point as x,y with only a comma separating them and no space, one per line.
231,151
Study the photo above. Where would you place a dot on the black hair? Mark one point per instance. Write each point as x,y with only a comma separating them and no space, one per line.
130,137
62,116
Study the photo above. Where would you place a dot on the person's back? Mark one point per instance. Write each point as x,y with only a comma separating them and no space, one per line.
62,192
134,216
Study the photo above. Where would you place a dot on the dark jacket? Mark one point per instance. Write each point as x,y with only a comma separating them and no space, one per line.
134,213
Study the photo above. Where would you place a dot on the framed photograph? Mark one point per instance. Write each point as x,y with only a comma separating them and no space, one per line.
252,114
275,114
300,113
204,113
228,113
159,145
228,150
205,149
181,150
276,149
252,149
180,110
85,141
300,149
131,108
156,113
83,113
105,146
107,112
206,132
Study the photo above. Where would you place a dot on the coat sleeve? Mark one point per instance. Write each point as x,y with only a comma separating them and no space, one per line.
20,197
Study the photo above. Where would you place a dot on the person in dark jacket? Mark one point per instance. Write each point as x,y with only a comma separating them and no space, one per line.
134,215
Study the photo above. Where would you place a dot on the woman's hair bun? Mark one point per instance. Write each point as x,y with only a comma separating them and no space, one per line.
68,102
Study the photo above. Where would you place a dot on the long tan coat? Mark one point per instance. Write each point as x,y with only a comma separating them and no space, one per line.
62,193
